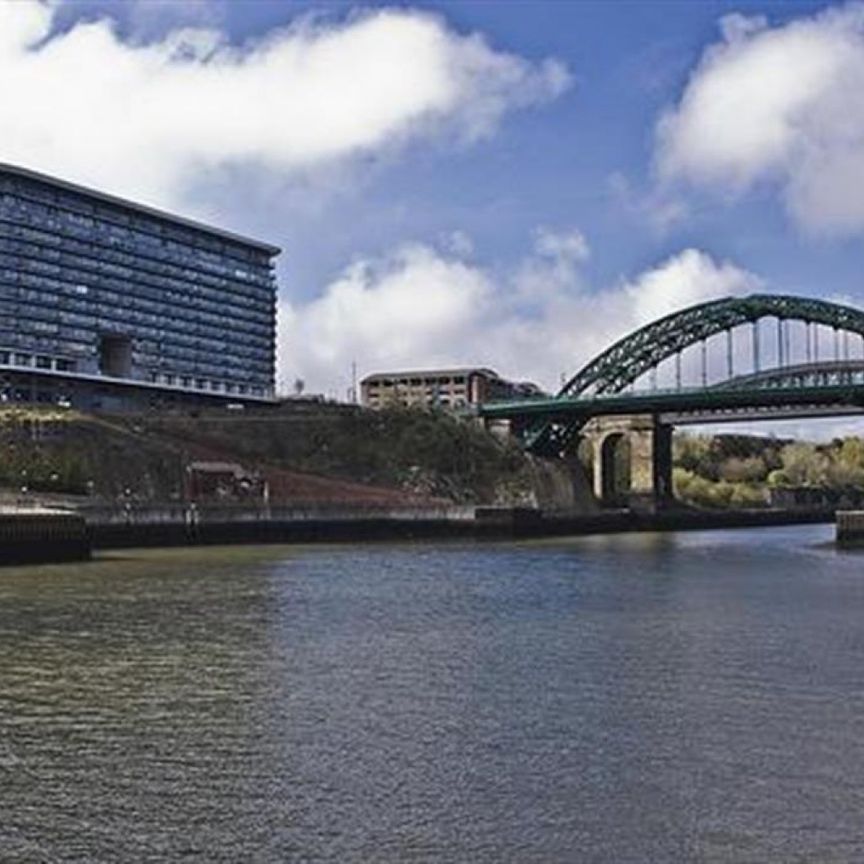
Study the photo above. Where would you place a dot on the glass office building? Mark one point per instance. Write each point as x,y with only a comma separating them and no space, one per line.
105,302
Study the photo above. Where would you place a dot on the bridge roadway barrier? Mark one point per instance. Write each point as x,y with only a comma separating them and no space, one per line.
42,537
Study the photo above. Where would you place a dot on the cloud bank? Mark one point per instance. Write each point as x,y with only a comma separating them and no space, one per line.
140,119
421,307
779,106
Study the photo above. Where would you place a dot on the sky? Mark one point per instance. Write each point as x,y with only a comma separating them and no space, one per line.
506,184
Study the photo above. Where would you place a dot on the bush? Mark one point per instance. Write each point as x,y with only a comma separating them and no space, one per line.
693,489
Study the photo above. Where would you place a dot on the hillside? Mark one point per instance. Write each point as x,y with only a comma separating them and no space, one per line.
305,454
424,452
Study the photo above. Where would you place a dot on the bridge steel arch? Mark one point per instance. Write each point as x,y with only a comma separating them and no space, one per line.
644,349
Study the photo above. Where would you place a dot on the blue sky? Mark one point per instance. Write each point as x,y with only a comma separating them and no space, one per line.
524,204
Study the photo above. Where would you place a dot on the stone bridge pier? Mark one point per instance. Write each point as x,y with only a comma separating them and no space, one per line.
632,461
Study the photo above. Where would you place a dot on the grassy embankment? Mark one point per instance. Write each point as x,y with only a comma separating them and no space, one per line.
314,453
421,452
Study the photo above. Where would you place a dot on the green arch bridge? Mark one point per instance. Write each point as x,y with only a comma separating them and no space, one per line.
601,399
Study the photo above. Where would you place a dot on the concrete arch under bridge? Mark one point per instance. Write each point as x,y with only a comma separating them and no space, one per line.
636,450
600,409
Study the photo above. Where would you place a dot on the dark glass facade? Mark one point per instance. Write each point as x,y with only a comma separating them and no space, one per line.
94,287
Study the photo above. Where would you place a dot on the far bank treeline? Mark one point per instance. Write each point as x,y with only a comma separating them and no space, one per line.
751,471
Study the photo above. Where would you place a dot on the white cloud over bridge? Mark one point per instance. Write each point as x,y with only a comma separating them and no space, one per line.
778,108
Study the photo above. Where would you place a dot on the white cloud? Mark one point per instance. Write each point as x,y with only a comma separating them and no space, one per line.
781,106
142,119
744,106
689,277
420,308
569,245
413,307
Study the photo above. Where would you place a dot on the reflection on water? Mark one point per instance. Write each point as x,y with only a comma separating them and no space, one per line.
641,698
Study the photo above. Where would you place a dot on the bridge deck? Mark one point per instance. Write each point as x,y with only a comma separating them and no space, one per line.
785,401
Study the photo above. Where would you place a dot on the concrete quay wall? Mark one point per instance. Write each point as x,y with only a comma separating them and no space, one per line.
172,525
43,537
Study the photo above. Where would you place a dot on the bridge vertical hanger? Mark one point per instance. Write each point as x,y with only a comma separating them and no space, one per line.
704,363
780,342
836,344
756,346
677,370
807,336
729,362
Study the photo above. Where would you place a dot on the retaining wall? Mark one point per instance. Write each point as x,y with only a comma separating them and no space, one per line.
850,527
42,537
172,525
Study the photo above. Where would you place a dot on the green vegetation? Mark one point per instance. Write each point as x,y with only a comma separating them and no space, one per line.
740,470
27,464
420,450
430,453
43,450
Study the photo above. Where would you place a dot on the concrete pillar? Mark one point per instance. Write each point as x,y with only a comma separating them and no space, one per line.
599,479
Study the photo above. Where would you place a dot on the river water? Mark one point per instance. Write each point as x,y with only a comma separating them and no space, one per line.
644,698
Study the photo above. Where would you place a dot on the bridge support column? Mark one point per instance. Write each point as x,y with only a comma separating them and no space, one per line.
632,458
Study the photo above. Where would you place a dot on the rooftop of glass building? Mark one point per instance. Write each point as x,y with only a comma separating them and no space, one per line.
114,200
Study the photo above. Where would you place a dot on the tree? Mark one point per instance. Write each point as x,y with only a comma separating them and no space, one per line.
694,453
804,465
749,470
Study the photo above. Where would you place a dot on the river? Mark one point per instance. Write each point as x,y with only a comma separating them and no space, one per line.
693,697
